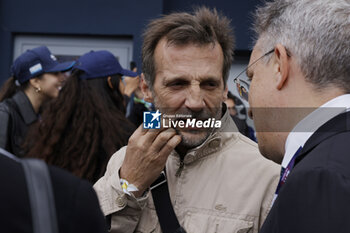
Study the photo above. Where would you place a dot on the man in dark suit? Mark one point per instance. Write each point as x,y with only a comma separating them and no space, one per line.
77,207
299,77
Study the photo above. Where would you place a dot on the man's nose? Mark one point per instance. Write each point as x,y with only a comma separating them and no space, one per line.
194,98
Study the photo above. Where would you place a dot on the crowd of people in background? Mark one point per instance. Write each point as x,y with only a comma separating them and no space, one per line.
76,121
84,118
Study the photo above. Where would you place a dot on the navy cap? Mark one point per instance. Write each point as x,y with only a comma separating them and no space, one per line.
35,62
101,63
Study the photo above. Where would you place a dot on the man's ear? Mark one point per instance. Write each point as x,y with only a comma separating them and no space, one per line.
281,66
146,91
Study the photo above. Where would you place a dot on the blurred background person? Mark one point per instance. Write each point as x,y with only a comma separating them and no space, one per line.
82,128
238,113
37,78
75,202
136,105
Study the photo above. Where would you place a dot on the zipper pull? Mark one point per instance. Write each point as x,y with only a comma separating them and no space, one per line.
179,170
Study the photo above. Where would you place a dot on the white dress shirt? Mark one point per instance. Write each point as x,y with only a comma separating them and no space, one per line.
307,126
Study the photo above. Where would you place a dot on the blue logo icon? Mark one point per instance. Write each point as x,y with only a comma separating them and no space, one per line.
151,120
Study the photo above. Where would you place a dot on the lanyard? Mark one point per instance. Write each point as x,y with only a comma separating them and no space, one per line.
284,173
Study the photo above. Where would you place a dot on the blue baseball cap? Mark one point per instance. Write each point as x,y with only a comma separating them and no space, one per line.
35,62
101,63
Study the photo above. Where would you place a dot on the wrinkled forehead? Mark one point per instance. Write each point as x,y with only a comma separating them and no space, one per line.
170,47
187,55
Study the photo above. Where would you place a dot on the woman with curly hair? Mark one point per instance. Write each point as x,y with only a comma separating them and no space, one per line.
85,125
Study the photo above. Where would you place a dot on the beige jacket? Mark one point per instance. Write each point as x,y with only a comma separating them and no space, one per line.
225,186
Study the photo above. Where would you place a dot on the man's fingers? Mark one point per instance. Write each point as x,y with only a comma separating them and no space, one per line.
170,145
138,132
162,139
145,137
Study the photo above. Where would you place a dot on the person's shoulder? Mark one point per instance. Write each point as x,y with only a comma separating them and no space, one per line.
67,187
246,148
242,150
247,141
331,154
4,106
330,157
5,114
76,202
237,139
8,107
62,177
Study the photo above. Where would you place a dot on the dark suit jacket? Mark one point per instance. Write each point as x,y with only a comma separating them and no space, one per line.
76,203
316,195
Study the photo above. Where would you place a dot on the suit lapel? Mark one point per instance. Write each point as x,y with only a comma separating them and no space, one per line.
336,125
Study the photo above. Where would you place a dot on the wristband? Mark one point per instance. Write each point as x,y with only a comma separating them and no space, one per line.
127,188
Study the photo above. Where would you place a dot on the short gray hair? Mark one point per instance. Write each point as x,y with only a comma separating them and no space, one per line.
203,27
315,32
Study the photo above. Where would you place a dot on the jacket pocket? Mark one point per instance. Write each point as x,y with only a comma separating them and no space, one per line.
204,223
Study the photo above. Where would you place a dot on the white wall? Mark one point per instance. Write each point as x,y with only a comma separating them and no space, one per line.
76,46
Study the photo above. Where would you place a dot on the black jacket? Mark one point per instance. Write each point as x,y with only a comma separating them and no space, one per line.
16,115
76,203
316,195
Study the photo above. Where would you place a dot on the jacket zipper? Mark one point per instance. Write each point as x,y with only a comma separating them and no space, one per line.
181,167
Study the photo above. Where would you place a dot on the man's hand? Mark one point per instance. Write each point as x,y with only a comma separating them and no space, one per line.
146,155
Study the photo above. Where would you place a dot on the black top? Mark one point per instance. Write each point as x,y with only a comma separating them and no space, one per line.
76,202
16,115
316,195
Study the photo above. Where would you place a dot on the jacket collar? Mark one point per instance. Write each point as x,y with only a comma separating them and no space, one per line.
336,125
25,107
216,140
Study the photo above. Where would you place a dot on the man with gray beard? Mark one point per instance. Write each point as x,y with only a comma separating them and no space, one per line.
216,178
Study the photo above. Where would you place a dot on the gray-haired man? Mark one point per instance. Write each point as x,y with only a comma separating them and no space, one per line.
300,77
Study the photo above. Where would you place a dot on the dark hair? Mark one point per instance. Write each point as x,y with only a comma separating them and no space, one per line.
235,99
132,65
9,88
82,128
238,102
203,27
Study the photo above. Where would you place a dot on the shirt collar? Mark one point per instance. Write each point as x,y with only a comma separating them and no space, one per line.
25,107
307,126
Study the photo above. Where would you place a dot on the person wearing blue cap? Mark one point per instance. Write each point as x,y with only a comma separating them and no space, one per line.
86,124
36,77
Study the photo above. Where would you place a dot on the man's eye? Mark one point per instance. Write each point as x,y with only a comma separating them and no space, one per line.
177,84
209,85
